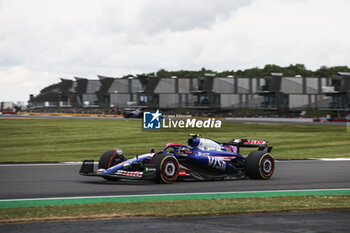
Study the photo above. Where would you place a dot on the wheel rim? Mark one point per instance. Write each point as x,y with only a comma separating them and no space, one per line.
169,169
267,166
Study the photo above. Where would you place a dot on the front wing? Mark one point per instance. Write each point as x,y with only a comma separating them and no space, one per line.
149,172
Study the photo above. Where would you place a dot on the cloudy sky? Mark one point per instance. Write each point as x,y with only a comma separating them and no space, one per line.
44,40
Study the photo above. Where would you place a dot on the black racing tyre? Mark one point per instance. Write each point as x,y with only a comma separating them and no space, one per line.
109,159
260,165
167,168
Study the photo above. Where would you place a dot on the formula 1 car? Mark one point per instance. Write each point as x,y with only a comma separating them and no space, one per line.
133,112
201,159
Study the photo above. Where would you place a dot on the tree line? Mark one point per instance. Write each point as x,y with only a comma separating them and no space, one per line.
288,71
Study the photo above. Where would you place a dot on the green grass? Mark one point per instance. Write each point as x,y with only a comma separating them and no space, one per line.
175,208
35,140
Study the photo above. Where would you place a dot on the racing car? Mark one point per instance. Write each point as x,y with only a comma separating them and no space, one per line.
201,159
133,112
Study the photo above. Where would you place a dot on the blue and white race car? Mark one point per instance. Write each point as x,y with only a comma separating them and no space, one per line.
201,159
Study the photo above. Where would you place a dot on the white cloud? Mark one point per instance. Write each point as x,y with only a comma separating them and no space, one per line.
184,15
17,82
41,41
280,32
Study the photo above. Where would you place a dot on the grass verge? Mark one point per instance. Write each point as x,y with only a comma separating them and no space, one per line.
175,208
52,140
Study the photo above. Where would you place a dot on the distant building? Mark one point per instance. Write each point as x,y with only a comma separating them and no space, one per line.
274,92
13,106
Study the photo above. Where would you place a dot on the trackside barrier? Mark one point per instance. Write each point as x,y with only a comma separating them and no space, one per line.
68,114
99,115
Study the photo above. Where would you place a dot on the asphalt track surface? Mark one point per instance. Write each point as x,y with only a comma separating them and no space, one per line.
20,181
315,221
53,180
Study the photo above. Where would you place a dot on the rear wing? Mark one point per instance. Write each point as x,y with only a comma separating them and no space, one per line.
262,145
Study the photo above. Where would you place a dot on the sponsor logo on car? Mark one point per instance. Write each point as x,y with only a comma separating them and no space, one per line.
255,142
128,173
88,162
203,153
150,169
216,163
250,141
182,173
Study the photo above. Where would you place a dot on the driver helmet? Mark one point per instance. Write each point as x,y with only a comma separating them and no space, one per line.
119,152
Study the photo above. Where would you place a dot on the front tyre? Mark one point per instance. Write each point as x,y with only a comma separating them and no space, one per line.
109,159
167,168
260,165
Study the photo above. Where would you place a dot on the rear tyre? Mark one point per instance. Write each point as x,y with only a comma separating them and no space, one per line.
167,168
259,165
109,159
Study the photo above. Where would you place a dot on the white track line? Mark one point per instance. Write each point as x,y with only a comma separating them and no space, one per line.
173,194
335,159
42,164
